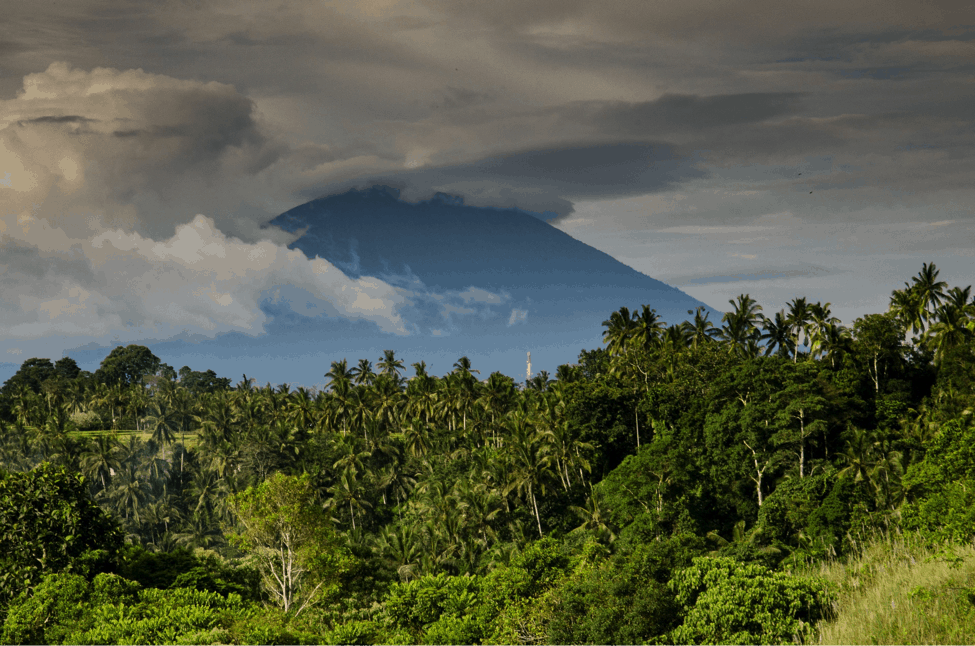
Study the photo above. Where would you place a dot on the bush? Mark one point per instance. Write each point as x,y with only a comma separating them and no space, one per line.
87,421
728,602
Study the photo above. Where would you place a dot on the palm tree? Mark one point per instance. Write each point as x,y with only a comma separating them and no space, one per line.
677,338
620,329
567,374
163,424
421,394
822,318
951,329
362,373
339,372
835,342
740,327
859,455
798,319
701,330
778,335
463,366
593,518
929,289
649,328
531,463
539,382
348,490
200,532
246,385
401,548
387,402
961,298
389,365
129,493
341,401
906,305
479,506
300,408
102,460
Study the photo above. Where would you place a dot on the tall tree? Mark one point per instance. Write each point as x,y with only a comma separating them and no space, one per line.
127,365
300,559
799,318
930,290
620,329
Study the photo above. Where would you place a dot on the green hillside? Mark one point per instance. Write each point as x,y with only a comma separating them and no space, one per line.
771,477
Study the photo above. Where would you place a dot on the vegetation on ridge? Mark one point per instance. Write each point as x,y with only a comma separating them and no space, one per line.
753,480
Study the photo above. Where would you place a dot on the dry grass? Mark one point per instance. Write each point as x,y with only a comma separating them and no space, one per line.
900,590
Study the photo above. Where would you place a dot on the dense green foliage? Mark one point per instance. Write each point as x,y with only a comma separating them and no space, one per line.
674,486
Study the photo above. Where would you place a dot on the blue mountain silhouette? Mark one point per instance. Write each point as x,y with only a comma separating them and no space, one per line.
561,288
490,284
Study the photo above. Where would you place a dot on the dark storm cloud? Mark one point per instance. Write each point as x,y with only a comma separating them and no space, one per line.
60,119
687,111
35,266
545,180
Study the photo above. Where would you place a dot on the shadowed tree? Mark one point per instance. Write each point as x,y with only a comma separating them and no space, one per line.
620,327
700,330
102,459
390,366
798,319
777,335
930,290
740,327
362,374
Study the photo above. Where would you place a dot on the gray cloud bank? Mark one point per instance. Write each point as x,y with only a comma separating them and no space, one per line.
100,173
122,121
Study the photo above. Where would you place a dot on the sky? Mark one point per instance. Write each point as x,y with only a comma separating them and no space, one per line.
759,147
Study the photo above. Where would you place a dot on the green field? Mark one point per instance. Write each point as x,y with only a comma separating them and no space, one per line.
125,434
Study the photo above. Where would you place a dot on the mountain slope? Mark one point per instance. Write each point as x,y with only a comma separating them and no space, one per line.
489,284
552,290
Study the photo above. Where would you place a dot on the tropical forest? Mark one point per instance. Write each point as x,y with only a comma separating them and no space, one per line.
769,477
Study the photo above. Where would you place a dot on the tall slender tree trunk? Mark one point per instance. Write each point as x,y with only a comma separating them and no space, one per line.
538,519
802,442
636,416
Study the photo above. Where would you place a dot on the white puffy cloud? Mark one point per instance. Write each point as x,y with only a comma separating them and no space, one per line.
123,286
103,174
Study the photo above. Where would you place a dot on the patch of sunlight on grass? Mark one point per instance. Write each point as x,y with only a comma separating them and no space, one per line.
900,589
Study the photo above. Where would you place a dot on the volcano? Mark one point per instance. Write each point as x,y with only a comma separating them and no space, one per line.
486,283
547,292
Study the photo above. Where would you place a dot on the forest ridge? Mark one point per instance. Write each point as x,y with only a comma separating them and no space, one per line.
697,482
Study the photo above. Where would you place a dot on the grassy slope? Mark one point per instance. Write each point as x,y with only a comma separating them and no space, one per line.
900,591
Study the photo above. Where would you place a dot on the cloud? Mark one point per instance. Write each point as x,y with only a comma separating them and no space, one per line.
120,284
517,316
145,152
124,287
103,175
685,111
543,181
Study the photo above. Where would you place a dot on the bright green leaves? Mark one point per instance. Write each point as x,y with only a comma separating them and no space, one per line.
729,602
66,608
290,540
942,486
48,523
